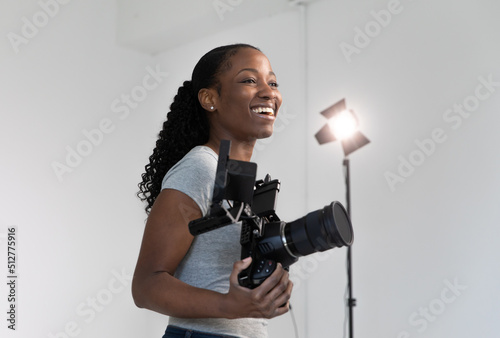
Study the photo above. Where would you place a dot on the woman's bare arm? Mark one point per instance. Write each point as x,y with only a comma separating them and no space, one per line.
165,242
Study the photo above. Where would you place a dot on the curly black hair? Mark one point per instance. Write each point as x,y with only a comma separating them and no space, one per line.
187,122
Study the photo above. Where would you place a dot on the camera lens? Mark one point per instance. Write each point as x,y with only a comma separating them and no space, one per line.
319,230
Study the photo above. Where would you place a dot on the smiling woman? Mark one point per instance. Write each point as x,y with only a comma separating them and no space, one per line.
232,95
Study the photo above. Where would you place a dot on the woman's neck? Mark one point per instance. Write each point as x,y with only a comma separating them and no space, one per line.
241,151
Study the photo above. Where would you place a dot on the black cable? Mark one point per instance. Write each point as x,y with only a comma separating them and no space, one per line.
294,322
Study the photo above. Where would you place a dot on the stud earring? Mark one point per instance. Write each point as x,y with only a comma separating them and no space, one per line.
211,107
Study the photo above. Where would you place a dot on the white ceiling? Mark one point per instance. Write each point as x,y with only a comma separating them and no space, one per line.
153,26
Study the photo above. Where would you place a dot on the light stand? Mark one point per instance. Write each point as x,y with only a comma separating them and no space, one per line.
343,125
351,302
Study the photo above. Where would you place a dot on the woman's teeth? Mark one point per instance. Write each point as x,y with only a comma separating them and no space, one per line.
263,110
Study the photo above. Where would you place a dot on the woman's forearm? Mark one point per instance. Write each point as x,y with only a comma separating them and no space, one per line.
163,293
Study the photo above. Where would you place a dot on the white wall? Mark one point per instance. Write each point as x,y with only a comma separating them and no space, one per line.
437,226
78,236
441,223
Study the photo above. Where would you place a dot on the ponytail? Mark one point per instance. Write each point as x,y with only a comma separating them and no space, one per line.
186,127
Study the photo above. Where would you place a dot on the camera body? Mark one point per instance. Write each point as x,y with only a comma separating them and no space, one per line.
261,235
264,237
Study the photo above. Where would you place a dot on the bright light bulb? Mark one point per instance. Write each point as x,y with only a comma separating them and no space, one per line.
343,125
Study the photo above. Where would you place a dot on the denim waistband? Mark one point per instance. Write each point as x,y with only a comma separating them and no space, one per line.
179,332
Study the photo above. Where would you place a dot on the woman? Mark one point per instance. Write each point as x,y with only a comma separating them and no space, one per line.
233,95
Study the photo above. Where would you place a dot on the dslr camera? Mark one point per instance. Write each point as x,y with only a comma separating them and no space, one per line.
238,197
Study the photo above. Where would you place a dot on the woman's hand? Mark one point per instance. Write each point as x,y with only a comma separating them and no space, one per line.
268,300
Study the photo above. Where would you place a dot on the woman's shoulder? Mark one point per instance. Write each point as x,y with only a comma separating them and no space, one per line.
198,158
198,162
201,152
194,175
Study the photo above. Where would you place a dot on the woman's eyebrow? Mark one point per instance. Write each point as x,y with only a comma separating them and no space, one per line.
253,70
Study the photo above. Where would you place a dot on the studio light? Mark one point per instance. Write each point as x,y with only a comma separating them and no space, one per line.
343,125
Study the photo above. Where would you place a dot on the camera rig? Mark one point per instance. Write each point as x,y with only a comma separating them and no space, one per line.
264,236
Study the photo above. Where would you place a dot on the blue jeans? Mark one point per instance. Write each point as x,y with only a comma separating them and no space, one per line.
178,332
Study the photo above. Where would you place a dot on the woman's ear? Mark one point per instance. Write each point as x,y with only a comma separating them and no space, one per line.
207,99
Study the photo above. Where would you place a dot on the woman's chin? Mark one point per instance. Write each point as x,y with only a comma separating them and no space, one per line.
265,135
265,132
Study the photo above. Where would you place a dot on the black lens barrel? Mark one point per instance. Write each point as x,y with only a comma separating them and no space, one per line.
319,230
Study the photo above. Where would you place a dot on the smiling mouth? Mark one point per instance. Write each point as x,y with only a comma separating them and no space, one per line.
264,111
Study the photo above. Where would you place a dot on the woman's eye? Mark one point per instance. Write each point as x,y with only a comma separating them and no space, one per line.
252,80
